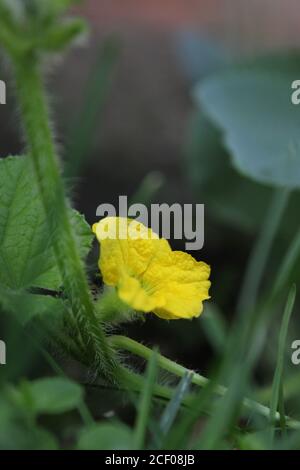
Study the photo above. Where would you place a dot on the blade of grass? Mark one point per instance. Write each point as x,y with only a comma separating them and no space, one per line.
261,251
82,132
180,436
160,431
289,260
145,402
248,330
240,356
214,327
278,376
148,188
225,413
171,410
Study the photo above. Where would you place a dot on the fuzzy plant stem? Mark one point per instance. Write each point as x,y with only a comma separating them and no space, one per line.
128,344
43,155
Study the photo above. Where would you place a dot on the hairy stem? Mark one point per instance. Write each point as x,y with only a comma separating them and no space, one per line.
128,344
43,155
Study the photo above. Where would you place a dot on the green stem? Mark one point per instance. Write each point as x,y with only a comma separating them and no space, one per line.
261,251
128,344
136,382
46,167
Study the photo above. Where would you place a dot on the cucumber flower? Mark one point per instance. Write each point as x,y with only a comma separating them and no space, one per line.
147,274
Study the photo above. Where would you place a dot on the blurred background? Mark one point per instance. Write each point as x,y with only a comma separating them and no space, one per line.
128,124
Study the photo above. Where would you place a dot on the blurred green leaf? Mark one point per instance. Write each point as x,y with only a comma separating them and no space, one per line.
16,436
58,37
232,198
25,306
252,106
26,255
43,440
106,436
253,441
17,433
6,13
53,395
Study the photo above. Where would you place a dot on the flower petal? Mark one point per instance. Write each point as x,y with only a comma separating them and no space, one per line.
131,291
185,288
148,275
127,255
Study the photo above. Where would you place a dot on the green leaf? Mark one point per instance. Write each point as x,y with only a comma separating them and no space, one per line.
232,198
16,433
25,306
53,395
252,105
107,436
17,437
26,255
43,440
253,441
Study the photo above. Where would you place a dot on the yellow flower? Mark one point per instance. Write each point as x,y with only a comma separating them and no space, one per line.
147,274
